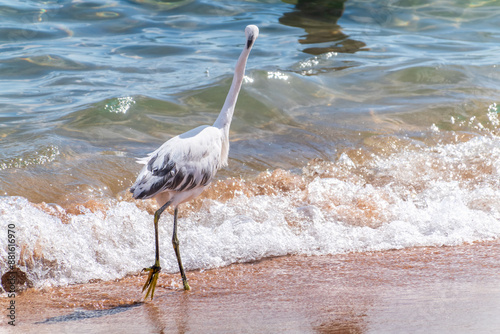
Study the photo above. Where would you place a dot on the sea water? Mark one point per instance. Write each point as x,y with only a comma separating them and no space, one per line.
360,127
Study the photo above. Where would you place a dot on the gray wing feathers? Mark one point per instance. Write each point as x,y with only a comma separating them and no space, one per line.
182,163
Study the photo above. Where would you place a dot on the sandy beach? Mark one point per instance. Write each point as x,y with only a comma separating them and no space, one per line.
430,289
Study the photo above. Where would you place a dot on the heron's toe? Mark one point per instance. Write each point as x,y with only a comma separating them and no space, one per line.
150,284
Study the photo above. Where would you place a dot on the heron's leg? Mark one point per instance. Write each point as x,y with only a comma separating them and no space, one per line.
175,243
154,270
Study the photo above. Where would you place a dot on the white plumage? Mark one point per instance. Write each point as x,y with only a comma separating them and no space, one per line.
184,166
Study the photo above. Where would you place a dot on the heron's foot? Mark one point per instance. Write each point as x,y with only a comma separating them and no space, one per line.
150,284
186,285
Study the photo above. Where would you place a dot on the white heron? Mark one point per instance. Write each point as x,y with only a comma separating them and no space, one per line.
185,165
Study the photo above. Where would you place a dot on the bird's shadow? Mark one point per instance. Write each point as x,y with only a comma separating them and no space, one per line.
88,314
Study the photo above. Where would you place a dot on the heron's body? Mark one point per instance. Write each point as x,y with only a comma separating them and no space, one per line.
184,166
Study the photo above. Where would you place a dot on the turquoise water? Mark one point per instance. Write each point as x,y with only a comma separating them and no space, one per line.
386,111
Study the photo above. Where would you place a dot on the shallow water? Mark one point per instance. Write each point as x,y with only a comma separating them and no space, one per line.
359,127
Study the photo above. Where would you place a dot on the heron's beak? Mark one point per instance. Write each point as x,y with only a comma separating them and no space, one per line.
250,41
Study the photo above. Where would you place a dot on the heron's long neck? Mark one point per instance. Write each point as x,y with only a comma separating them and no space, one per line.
226,114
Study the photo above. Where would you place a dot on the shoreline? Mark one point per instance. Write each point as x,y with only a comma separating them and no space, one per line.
441,289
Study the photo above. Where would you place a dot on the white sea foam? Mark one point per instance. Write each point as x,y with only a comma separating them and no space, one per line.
442,195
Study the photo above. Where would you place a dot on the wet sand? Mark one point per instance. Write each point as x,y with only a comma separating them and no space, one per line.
430,289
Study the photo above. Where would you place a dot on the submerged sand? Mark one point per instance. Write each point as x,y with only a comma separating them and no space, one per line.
431,289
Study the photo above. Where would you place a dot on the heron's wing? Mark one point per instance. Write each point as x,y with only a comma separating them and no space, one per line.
182,163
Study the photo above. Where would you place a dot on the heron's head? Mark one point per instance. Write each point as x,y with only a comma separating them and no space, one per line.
251,32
